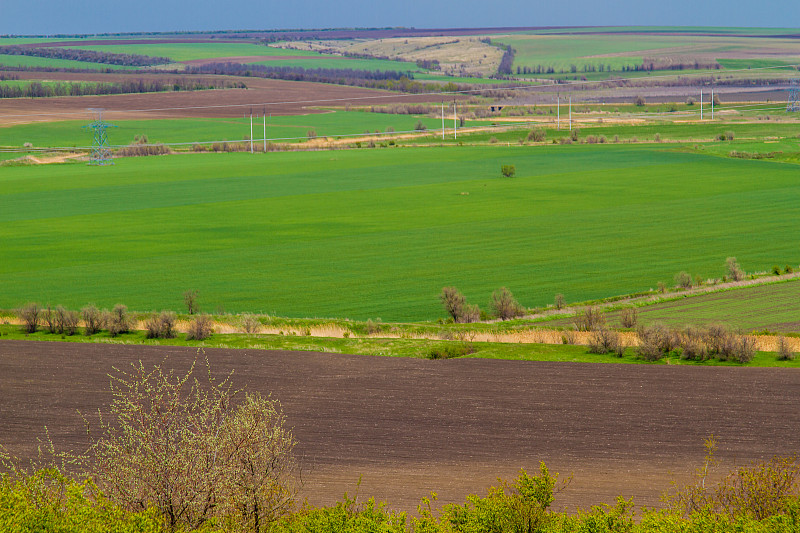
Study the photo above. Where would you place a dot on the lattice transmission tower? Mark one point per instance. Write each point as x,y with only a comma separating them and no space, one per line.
794,96
101,152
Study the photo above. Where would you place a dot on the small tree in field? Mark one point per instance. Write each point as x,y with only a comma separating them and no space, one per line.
559,301
504,304
30,314
734,271
195,450
509,171
453,302
683,280
190,301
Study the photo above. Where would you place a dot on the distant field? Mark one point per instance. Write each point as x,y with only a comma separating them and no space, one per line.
330,61
73,133
377,233
31,61
190,51
773,307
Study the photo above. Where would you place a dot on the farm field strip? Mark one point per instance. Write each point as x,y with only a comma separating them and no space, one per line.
363,234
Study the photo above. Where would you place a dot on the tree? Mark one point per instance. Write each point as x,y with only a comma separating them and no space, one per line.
504,304
453,302
560,302
683,280
30,315
189,448
190,301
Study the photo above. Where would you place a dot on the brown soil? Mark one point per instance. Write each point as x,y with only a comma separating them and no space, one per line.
278,97
412,426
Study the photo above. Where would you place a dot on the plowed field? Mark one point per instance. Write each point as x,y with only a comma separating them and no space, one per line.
413,426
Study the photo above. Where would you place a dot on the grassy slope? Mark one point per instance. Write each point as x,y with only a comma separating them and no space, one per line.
334,62
378,233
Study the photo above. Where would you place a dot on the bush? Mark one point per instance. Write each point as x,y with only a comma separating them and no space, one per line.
776,270
509,171
693,344
92,320
118,321
560,302
504,305
471,313
629,317
603,340
493,140
50,319
311,134
30,315
734,271
67,321
451,350
657,137
420,126
639,101
251,324
573,135
788,269
229,455
729,135
200,328
537,135
783,350
683,280
655,341
160,326
591,318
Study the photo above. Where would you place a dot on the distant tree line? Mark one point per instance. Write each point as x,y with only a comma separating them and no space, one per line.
506,61
89,56
39,90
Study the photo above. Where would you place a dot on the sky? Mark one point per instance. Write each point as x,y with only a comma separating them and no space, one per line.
28,17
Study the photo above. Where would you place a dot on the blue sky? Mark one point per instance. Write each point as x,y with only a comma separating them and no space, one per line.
24,17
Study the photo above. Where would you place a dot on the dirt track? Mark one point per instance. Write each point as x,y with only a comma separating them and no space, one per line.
413,426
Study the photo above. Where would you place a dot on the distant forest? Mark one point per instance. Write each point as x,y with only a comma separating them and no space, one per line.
39,90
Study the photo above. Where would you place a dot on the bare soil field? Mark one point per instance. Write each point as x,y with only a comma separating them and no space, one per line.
413,426
280,98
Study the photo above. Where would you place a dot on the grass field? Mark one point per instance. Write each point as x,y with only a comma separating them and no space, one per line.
333,62
188,51
31,61
72,133
377,233
774,307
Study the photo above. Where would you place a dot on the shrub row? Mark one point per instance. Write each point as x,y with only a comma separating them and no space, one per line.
694,343
65,322
503,304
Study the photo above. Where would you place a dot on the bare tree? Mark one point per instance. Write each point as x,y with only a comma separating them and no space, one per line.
200,329
734,271
184,446
453,302
560,302
30,315
504,304
190,301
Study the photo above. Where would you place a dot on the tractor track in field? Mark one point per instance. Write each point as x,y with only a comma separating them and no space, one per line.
412,426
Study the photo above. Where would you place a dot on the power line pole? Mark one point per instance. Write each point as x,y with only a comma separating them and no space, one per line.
558,111
455,120
701,104
712,104
101,152
264,112
442,119
251,130
570,113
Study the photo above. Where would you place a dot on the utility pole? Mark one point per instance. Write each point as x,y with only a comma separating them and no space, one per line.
701,104
455,120
712,104
101,152
264,112
570,113
558,111
251,130
442,119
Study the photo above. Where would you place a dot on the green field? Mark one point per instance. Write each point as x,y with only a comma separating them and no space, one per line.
377,233
187,51
72,133
31,61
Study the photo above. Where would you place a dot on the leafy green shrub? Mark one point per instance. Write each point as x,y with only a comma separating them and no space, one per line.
776,270
788,269
508,171
451,350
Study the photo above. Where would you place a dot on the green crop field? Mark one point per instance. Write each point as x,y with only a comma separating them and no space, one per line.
31,61
191,51
377,233
73,133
